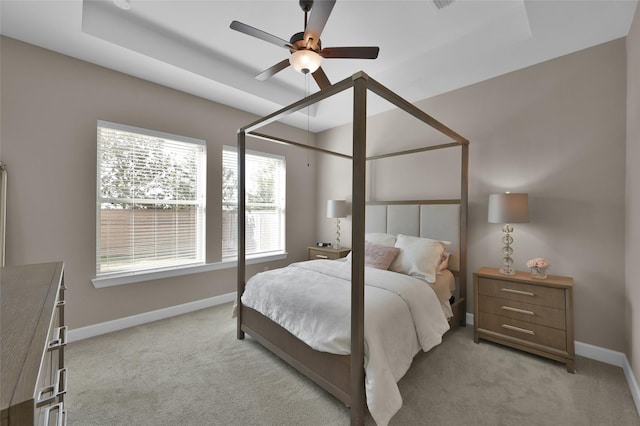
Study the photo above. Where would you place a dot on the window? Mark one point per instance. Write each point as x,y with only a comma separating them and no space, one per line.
150,200
265,192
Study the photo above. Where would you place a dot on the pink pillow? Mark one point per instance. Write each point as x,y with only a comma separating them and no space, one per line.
379,256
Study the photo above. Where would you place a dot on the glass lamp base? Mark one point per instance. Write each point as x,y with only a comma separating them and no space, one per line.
506,270
336,244
507,251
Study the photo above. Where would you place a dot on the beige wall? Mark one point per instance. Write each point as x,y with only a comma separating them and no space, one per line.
555,130
632,246
50,104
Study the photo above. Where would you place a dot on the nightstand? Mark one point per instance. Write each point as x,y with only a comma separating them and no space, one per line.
315,252
529,314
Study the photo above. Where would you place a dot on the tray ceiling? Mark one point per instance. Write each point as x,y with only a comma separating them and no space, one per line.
426,47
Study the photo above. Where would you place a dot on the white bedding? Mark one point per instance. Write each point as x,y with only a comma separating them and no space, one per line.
312,300
444,287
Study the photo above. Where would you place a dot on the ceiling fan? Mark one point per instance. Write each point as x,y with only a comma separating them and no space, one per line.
305,47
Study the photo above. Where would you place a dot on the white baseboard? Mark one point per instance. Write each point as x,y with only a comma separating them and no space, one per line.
600,354
633,384
126,322
469,319
607,356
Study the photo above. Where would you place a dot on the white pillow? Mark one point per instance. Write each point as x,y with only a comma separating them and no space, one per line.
380,238
418,257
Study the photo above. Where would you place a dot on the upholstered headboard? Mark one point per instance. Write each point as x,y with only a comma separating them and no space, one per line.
434,220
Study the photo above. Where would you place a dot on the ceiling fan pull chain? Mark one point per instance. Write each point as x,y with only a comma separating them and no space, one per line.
306,94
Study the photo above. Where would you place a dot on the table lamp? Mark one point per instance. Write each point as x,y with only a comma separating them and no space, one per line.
337,209
508,208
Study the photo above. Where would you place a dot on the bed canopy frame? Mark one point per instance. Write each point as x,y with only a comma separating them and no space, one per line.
343,375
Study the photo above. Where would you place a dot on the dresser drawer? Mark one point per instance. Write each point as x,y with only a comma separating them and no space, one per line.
535,314
51,385
527,293
529,332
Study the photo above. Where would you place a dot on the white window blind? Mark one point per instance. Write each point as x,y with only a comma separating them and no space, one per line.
150,200
265,203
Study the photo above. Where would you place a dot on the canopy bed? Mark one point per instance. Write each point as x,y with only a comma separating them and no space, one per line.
340,368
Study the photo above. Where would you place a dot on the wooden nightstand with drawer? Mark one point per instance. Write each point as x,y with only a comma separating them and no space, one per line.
533,315
315,252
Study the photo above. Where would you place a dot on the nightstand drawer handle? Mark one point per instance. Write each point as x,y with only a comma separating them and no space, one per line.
524,293
521,330
519,311
321,256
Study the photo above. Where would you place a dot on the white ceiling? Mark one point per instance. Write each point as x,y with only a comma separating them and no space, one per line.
424,51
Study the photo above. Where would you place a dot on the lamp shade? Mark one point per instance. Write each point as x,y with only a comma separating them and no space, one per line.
508,208
336,208
305,61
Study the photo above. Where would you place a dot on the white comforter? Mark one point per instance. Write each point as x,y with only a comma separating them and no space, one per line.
312,300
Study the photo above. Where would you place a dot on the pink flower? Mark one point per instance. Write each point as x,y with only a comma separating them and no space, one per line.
537,262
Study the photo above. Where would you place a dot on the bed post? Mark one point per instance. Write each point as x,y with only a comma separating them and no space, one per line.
464,202
241,228
357,246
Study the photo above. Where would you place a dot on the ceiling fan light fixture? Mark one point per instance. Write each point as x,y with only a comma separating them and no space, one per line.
305,61
123,4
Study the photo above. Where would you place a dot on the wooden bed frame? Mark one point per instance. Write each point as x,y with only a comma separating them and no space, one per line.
343,375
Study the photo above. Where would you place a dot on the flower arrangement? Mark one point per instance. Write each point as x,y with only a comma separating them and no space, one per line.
538,267
537,262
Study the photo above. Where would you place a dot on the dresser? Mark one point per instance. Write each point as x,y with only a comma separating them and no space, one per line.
533,315
315,252
33,336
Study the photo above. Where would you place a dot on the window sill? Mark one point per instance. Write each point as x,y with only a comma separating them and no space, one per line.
131,278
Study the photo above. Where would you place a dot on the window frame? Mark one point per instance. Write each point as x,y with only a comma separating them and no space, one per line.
280,205
200,203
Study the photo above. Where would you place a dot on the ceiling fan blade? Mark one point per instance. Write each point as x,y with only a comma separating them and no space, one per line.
350,52
254,32
321,78
270,72
319,15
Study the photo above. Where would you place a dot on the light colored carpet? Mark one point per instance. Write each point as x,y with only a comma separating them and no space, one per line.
191,370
